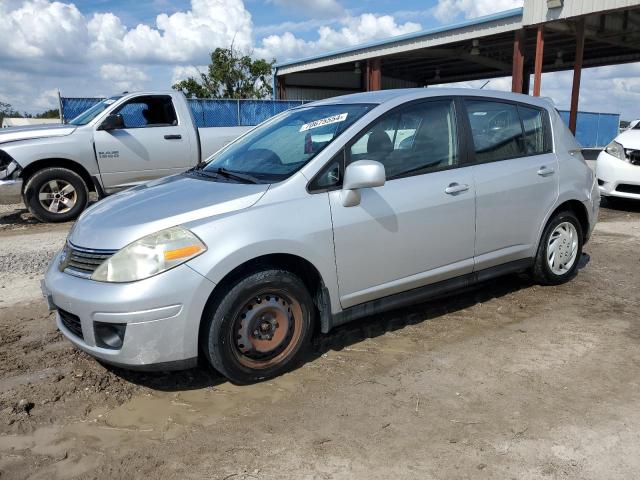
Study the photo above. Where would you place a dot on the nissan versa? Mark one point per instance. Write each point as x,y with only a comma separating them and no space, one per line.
326,213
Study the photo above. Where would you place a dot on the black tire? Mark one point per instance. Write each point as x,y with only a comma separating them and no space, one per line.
541,270
62,176
223,325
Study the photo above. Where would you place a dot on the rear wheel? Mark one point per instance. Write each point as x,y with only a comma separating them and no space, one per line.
259,328
56,194
560,250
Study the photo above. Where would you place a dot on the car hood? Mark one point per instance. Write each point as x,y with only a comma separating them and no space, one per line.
630,139
13,134
130,215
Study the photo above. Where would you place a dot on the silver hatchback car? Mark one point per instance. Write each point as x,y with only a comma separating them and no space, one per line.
326,213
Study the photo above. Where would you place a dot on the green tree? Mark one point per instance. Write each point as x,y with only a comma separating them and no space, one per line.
6,110
230,75
53,113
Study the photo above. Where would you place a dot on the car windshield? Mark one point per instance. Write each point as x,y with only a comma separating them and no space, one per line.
281,146
88,115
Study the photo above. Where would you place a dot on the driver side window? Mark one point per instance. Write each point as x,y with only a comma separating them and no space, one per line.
148,111
413,140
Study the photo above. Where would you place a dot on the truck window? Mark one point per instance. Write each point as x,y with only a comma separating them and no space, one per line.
149,111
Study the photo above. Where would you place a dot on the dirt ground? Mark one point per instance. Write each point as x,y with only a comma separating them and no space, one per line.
510,380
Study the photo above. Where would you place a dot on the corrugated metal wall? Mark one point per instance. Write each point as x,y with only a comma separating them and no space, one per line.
537,11
313,93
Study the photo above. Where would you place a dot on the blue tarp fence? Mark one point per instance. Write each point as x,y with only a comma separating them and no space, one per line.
594,129
206,112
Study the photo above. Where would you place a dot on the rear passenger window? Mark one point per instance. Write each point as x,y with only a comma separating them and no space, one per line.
415,139
534,136
497,130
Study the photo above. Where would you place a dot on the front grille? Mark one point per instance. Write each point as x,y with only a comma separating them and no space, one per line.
82,262
634,157
626,188
71,322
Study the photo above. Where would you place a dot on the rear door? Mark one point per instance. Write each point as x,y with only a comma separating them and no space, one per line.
419,227
516,178
154,143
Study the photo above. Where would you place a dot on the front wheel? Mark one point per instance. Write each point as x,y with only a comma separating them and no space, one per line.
56,195
260,326
559,251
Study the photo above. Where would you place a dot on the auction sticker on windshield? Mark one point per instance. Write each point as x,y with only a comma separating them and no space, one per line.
323,121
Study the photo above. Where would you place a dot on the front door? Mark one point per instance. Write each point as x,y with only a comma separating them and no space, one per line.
419,227
153,144
516,175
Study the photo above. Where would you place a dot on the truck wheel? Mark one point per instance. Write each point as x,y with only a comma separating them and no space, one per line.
56,194
559,251
259,328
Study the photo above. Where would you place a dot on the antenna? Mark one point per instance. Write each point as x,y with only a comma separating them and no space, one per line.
485,84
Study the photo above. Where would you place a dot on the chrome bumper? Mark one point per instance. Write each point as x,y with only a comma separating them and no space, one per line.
10,191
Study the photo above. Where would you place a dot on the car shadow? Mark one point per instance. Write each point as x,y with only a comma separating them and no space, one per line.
377,325
346,335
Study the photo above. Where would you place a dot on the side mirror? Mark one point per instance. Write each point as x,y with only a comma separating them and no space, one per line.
113,121
359,175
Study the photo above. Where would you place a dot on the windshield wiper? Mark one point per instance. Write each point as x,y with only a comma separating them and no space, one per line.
236,175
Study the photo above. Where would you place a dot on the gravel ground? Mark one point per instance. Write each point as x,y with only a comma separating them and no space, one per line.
509,380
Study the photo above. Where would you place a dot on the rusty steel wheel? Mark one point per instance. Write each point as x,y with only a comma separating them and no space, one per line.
267,329
256,327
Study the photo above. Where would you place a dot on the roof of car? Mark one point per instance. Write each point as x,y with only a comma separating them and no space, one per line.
408,94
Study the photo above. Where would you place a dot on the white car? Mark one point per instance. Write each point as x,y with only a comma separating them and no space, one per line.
618,167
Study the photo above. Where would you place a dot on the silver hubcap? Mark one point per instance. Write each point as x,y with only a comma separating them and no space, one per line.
562,248
57,196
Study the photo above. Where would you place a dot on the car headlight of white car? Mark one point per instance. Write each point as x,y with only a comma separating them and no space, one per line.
151,255
616,150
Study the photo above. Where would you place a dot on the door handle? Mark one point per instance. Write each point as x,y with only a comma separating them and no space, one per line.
173,137
546,171
455,188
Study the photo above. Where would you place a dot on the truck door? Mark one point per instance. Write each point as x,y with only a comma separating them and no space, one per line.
153,143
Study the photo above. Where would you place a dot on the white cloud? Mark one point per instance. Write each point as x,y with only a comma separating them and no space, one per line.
182,72
316,8
41,29
124,77
354,30
447,10
177,38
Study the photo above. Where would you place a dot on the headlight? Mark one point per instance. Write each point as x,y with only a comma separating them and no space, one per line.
150,255
616,150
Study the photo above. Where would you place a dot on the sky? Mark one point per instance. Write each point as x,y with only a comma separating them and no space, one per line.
102,47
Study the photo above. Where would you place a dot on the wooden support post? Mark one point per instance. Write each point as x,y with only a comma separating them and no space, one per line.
374,75
577,75
518,62
282,90
537,84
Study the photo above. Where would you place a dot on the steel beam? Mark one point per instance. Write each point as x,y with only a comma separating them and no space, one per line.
537,84
577,75
517,84
374,75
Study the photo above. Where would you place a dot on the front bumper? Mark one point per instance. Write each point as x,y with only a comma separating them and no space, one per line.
10,191
614,174
162,315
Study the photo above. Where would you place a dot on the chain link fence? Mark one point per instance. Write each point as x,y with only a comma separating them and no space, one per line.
206,112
